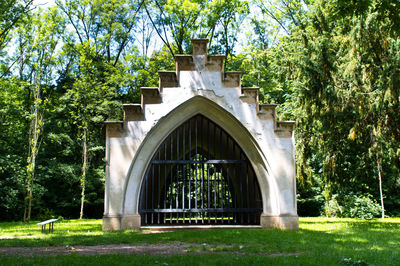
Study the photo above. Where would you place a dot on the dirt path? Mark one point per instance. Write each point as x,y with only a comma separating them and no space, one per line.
176,248
159,249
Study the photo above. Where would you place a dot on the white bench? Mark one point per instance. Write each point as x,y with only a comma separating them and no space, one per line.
50,223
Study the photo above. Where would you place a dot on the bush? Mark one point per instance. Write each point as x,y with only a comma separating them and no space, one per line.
364,208
354,206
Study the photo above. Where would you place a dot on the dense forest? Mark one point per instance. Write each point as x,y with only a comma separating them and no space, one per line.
332,66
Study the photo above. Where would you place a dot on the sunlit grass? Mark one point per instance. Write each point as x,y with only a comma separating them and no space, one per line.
319,241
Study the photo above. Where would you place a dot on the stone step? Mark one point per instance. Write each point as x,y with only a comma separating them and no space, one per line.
184,62
114,129
250,95
133,112
267,111
285,128
231,79
167,79
150,95
215,63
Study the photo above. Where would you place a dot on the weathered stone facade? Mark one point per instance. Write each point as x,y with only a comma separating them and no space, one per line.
200,86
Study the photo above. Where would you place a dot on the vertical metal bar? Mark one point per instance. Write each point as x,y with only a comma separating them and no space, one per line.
178,183
215,191
202,192
195,174
202,169
255,191
241,186
208,168
152,193
171,187
190,139
183,141
234,183
220,144
183,174
208,139
146,182
222,193
228,187
184,169
190,169
179,177
227,191
196,135
172,183
177,144
195,189
247,188
159,189
214,174
215,141
165,179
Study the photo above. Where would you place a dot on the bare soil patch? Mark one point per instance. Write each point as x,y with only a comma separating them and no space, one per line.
153,249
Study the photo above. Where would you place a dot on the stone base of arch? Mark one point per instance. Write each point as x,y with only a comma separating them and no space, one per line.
282,221
112,222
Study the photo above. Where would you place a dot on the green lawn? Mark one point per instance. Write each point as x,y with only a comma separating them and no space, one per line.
319,241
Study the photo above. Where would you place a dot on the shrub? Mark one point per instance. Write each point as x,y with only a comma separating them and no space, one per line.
354,206
363,207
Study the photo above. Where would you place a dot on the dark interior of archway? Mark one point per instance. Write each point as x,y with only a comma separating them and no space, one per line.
200,175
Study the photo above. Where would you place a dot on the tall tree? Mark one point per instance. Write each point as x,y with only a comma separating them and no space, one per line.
37,42
103,32
341,63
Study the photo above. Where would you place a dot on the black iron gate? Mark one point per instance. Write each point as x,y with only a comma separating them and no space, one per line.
200,175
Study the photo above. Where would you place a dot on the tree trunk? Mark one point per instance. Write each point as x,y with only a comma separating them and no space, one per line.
34,132
84,168
379,166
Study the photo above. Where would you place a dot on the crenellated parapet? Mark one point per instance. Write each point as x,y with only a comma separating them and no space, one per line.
199,62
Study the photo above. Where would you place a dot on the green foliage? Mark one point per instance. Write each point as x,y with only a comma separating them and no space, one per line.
354,206
337,64
11,13
13,123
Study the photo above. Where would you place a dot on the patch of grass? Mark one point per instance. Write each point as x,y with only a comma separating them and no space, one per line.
158,260
319,241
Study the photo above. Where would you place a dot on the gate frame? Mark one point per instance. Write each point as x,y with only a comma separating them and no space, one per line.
246,161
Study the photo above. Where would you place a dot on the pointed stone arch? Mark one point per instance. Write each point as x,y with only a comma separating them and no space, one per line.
166,125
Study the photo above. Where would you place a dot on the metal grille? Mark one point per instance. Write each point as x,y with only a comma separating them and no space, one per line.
200,175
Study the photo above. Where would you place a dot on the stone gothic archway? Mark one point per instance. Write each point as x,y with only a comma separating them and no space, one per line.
200,87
